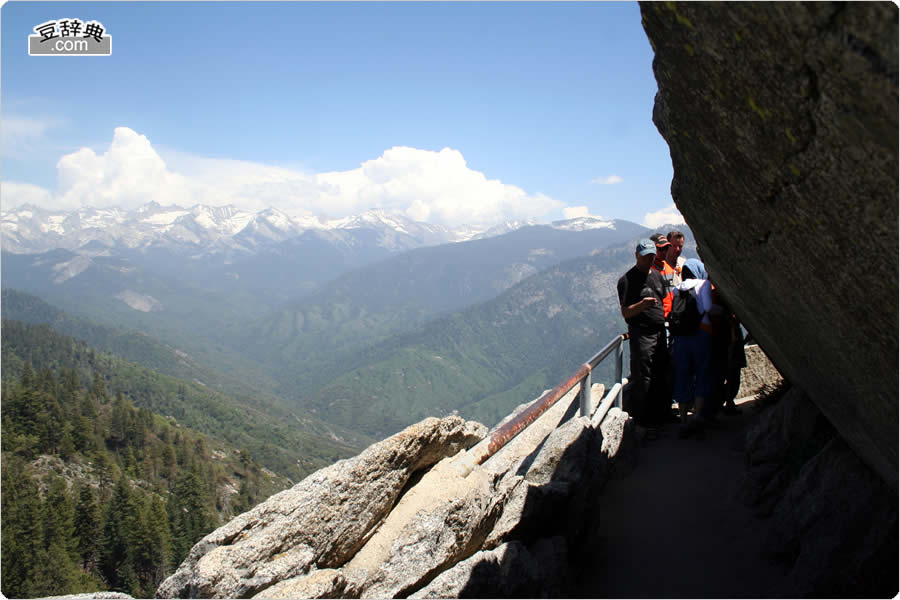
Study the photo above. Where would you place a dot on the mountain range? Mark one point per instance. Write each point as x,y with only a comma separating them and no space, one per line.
224,230
315,316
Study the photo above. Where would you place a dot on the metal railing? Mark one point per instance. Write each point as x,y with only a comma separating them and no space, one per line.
487,447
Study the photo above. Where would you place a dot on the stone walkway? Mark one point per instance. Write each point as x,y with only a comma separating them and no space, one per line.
674,527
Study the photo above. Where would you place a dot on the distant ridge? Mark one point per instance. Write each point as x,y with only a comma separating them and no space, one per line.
30,229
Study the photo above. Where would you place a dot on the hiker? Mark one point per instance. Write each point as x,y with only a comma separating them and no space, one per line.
664,268
693,338
735,360
661,264
641,293
673,256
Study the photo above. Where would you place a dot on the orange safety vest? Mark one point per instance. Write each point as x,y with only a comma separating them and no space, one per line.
668,273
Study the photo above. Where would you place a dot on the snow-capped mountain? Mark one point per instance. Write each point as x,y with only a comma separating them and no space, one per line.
502,228
202,230
229,231
583,224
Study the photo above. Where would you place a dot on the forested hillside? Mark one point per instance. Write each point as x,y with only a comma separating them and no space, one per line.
314,340
289,442
483,361
99,493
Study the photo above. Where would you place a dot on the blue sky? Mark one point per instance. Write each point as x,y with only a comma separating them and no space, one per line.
449,112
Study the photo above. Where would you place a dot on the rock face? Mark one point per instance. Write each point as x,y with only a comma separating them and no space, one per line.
397,517
320,522
781,119
834,521
759,373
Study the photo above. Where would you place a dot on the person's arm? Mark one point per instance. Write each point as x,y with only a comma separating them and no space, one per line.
639,307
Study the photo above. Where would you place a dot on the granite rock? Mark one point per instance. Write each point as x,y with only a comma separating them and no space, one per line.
319,523
782,125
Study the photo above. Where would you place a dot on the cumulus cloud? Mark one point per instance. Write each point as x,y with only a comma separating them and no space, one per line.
437,187
574,212
665,216
130,173
15,193
609,180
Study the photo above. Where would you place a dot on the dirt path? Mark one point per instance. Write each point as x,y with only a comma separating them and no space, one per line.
674,528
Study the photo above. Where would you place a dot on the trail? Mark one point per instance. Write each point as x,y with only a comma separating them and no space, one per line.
675,526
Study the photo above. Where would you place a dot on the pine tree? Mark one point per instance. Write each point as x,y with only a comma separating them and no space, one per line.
98,389
188,515
118,426
87,528
170,464
23,533
27,374
67,443
118,527
152,545
107,472
15,570
54,574
59,519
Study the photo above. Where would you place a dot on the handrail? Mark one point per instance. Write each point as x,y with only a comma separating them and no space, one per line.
487,447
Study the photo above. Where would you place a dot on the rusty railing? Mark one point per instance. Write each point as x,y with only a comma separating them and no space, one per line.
502,435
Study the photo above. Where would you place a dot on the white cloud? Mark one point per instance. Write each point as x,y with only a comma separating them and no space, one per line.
610,180
574,212
15,193
437,187
665,216
24,136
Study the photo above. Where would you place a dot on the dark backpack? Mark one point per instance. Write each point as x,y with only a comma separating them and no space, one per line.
685,317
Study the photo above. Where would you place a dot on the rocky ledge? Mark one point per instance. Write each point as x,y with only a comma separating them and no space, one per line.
402,518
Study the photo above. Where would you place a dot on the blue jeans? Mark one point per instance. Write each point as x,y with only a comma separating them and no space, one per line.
693,366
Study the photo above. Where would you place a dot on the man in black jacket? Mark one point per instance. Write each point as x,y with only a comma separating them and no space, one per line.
641,293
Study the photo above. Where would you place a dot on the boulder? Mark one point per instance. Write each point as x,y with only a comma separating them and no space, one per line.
782,125
509,571
440,521
759,373
836,527
778,444
319,523
833,520
324,583
517,455
555,494
563,454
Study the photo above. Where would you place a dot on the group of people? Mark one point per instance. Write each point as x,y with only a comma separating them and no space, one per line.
695,363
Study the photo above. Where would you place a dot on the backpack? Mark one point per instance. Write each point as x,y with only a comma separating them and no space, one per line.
685,317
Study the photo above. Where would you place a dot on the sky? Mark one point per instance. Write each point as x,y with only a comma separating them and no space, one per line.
447,112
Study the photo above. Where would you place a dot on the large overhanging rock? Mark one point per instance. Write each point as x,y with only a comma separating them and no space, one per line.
320,522
781,119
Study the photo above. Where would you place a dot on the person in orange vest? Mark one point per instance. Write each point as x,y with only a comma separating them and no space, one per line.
673,256
661,266
664,269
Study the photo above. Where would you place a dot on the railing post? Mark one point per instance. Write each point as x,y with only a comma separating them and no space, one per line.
585,396
620,353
